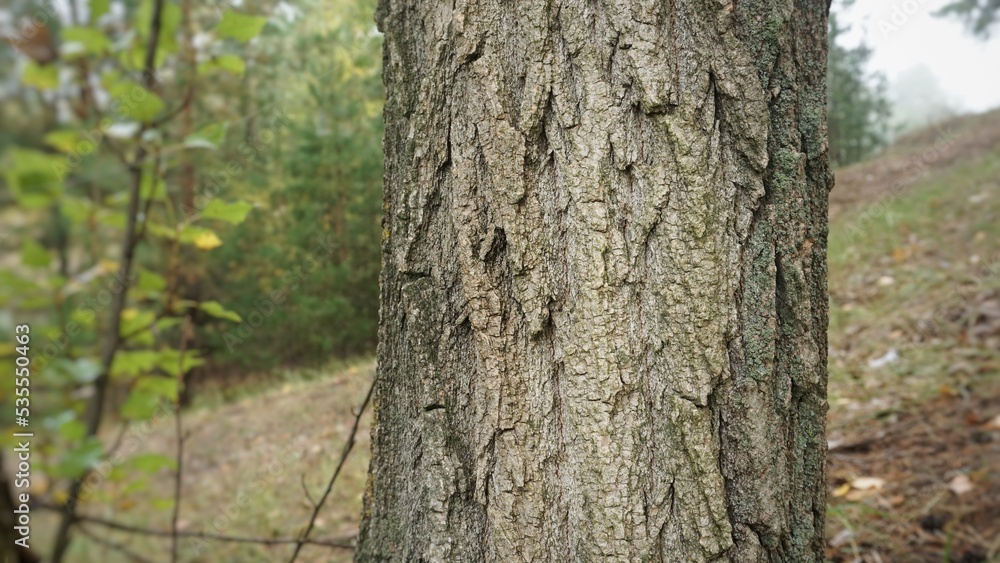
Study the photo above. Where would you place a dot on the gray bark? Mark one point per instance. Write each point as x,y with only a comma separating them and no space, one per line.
604,309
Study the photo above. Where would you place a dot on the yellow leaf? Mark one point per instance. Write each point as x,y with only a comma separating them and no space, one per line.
207,241
842,490
129,314
39,485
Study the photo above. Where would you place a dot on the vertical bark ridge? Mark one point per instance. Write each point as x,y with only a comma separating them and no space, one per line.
603,290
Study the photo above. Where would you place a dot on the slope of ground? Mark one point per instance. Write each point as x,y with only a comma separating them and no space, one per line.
914,429
914,426
252,468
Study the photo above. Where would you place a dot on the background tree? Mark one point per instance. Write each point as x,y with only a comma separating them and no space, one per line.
918,100
857,106
604,305
979,16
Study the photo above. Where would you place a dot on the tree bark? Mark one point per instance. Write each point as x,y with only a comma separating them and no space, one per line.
604,307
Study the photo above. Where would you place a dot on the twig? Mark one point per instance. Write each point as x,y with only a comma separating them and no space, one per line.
340,543
95,410
304,538
178,481
114,545
118,440
305,490
188,96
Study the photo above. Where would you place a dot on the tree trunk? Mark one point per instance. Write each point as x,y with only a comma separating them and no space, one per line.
604,307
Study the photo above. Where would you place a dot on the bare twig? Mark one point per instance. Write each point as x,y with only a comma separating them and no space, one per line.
345,452
188,97
118,440
305,490
113,545
95,410
340,543
178,481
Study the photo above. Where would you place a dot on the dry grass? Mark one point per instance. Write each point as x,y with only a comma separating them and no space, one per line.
264,446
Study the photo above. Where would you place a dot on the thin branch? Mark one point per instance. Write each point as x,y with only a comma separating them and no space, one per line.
345,452
340,543
118,440
113,545
305,490
188,97
178,481
95,410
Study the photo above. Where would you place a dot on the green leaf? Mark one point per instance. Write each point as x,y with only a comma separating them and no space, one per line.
130,363
98,8
138,324
216,309
34,177
34,254
233,213
64,140
140,405
240,27
73,430
132,101
15,283
150,463
150,281
76,209
40,77
80,41
162,503
81,458
229,63
153,187
170,362
164,387
208,137
163,231
139,485
66,424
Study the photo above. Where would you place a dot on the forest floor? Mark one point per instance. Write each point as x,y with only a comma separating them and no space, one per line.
914,422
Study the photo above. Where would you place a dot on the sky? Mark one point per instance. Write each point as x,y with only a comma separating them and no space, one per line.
905,33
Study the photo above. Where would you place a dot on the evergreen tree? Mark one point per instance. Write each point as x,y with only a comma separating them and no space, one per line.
977,15
857,106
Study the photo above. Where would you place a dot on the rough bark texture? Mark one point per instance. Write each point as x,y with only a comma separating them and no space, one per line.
604,310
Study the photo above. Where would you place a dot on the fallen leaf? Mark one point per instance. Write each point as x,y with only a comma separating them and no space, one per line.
960,484
993,424
841,538
890,357
868,483
842,490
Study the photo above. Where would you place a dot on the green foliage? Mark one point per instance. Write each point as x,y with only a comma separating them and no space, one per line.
239,26
254,189
979,16
304,276
857,107
77,274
